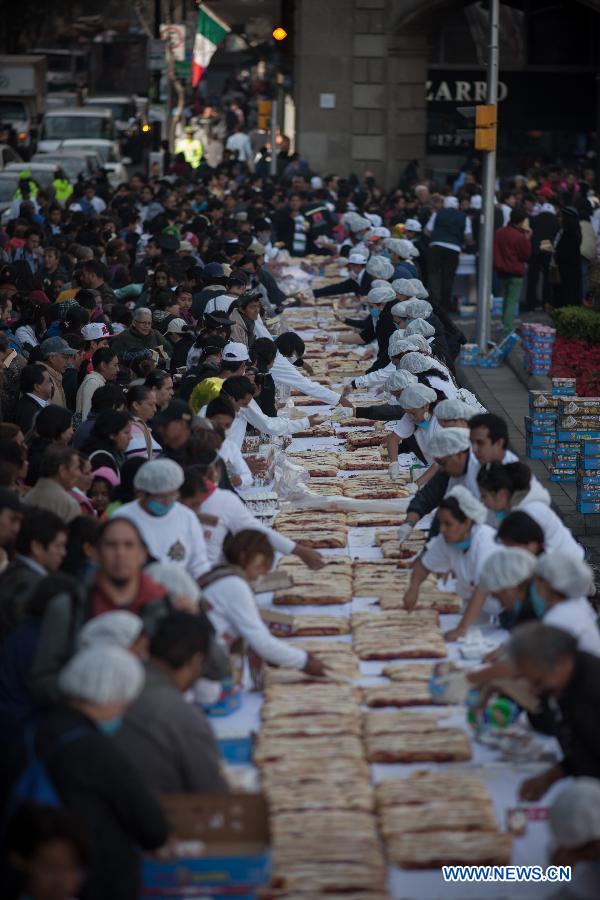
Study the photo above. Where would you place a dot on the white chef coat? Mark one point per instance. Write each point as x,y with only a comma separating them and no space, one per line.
406,428
234,614
578,618
466,565
231,454
556,535
275,426
174,538
234,516
284,372
376,378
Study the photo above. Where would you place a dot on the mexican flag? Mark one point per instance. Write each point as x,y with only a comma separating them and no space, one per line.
210,31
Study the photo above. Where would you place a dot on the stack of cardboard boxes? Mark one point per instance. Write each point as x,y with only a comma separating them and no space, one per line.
538,341
540,425
553,434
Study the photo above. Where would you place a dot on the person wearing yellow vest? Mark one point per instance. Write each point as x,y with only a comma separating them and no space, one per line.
62,186
26,186
191,148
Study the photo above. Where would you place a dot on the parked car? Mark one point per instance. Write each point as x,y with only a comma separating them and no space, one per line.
73,163
109,157
43,173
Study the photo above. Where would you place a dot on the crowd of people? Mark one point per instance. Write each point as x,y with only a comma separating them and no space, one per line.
140,343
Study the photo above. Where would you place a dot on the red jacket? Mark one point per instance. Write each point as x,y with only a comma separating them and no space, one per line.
512,249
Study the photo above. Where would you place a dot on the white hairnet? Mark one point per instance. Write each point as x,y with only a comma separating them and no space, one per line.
453,409
448,441
354,222
399,309
379,282
398,381
381,294
468,504
416,395
420,326
450,202
374,219
398,344
575,814
102,674
120,628
175,579
506,568
403,286
158,476
415,362
401,247
418,289
565,574
418,309
380,267
419,343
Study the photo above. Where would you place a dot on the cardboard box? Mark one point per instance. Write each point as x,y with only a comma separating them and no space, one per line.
589,477
559,462
539,452
577,422
542,400
589,463
236,749
541,440
588,507
232,856
544,427
592,494
541,416
591,448
564,476
578,406
576,435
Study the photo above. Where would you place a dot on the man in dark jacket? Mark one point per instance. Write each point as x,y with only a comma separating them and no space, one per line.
544,227
570,681
36,391
167,739
358,282
448,229
141,335
512,249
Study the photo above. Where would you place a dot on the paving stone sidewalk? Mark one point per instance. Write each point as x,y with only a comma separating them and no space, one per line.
504,391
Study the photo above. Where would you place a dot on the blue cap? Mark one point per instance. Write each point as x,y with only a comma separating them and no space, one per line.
56,345
214,269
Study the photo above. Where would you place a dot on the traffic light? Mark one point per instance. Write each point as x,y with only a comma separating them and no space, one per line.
486,123
279,33
264,115
486,120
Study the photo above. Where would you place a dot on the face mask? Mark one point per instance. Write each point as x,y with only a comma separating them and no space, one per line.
462,545
501,514
518,606
400,329
538,603
375,314
156,508
424,424
110,726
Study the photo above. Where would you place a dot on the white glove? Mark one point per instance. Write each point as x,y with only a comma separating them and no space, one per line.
394,469
404,531
411,487
451,688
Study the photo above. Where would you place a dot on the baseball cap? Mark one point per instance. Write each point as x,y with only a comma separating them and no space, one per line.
95,331
186,246
56,345
215,269
174,412
177,326
235,351
358,259
257,248
413,225
218,319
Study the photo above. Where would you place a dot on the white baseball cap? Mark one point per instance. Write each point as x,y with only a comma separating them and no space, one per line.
177,326
96,331
235,351
413,225
358,259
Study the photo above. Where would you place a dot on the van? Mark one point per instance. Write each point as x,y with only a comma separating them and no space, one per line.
84,123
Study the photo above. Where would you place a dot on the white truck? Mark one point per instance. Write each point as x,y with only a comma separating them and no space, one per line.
23,98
